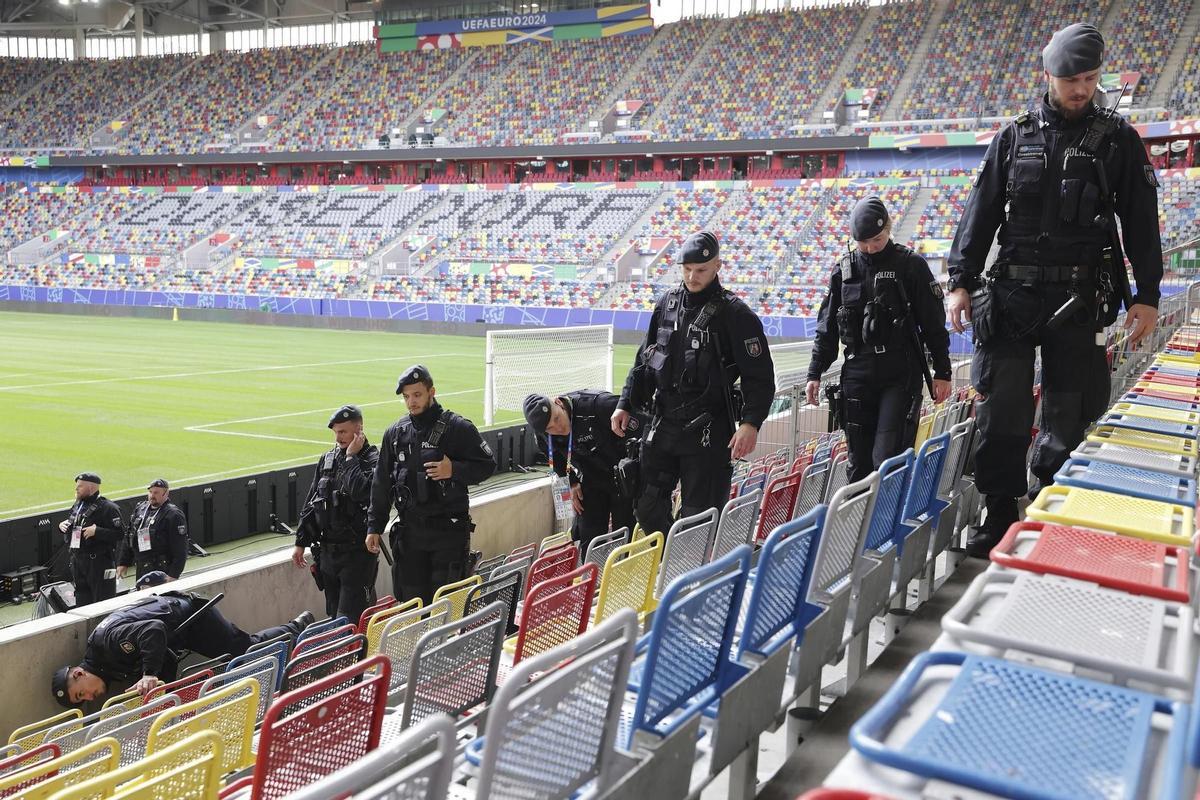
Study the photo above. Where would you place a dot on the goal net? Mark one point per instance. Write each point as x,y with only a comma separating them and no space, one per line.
791,363
550,361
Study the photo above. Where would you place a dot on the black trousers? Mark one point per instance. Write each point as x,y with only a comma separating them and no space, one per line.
602,501
1075,390
213,635
883,401
87,573
349,576
149,562
699,463
426,558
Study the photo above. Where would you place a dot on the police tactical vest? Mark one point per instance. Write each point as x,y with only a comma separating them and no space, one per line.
870,318
412,451
696,372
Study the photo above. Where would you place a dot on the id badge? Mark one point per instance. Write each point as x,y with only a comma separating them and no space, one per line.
560,487
143,538
76,537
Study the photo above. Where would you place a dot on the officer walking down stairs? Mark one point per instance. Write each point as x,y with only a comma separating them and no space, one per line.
885,307
1053,182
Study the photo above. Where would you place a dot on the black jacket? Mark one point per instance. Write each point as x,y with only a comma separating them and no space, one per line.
346,520
168,537
924,295
744,354
469,454
595,448
103,513
1130,176
133,642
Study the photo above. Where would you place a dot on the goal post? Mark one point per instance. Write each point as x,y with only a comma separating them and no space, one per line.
550,361
791,363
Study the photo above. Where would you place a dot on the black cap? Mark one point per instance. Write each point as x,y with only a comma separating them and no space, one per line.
347,413
698,248
868,218
1076,48
58,685
417,373
155,578
159,483
90,477
537,412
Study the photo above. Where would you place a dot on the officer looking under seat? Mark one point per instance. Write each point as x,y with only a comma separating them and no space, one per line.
333,519
426,462
885,307
702,338
157,539
574,430
1051,182
93,530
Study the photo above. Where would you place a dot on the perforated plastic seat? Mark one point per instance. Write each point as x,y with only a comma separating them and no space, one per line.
1132,481
1134,516
1169,463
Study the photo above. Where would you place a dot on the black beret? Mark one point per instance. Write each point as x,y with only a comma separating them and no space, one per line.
698,248
347,413
154,578
417,373
159,483
868,218
58,685
90,477
537,412
1076,48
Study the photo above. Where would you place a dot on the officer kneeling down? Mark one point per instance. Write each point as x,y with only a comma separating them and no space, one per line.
427,461
885,307
133,646
333,520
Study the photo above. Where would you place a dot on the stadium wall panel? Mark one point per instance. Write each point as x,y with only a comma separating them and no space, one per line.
928,158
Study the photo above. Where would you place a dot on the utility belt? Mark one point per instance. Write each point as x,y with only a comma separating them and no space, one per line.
878,349
343,546
1033,273
439,521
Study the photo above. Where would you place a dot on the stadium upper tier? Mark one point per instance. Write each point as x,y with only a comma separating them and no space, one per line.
597,246
714,79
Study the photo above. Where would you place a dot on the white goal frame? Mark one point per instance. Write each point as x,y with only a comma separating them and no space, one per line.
579,341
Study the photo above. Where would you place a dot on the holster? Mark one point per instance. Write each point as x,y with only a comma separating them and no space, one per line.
837,406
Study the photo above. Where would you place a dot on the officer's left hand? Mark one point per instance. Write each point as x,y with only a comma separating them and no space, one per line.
941,391
577,498
146,685
439,470
89,531
743,442
1142,319
356,445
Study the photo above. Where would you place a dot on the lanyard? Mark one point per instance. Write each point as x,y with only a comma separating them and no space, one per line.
570,448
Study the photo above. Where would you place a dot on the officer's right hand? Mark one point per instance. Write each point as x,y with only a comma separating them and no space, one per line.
620,419
577,498
146,685
958,309
372,543
121,570
298,557
62,526
812,391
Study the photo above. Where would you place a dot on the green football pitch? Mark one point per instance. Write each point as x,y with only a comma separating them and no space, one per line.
136,399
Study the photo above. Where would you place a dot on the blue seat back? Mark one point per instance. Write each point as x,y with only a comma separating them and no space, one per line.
926,477
889,499
276,650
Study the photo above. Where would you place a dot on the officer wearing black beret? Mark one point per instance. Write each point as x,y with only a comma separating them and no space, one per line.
134,646
574,430
93,530
702,339
157,539
885,308
427,461
333,520
1053,182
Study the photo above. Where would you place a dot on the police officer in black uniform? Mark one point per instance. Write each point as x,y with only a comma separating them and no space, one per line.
1051,182
885,308
574,429
702,338
333,521
133,646
426,462
93,530
157,539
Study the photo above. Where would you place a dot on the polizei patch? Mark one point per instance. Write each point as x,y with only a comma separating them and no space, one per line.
753,347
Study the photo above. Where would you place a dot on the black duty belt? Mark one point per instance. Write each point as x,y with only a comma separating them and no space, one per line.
1032,273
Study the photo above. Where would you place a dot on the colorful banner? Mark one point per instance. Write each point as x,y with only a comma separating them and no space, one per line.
24,161
549,33
411,30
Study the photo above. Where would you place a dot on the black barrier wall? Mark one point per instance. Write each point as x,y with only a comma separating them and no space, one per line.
222,511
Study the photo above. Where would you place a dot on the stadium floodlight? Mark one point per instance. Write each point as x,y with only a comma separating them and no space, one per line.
549,361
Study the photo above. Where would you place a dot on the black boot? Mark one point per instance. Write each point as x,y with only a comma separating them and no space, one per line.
1001,513
301,622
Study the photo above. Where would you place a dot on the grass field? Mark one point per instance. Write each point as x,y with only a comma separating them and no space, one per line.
134,399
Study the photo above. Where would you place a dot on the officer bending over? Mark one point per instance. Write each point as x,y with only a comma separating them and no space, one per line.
93,530
702,338
157,540
582,447
1053,182
426,462
333,520
885,308
133,646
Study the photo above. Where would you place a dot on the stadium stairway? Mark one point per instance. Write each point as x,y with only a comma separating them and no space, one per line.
634,231
850,57
917,63
442,89
1174,63
905,232
631,74
106,137
251,123
685,77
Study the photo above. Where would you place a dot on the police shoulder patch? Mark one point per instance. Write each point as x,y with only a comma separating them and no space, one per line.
936,288
753,347
127,647
1150,176
633,424
484,447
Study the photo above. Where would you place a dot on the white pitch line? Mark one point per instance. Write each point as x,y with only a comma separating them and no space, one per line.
258,436
207,425
222,372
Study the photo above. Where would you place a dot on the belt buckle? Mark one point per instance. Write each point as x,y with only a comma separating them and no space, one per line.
880,349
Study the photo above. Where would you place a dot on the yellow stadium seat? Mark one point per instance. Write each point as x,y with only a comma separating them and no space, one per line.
230,711
456,594
33,734
1160,442
187,770
380,619
49,777
1151,520
629,576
